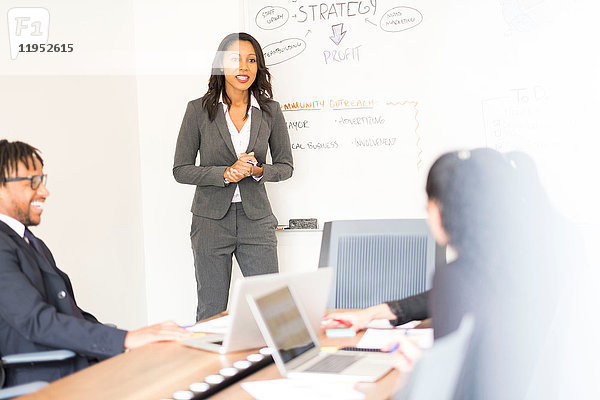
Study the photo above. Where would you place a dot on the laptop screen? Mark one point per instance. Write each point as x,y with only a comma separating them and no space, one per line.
285,324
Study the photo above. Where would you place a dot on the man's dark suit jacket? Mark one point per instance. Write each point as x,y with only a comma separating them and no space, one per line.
268,131
36,314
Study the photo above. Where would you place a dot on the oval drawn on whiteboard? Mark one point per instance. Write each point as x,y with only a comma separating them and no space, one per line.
400,19
278,52
271,17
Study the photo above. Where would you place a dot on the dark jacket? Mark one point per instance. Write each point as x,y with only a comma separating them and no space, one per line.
509,327
410,308
36,313
212,141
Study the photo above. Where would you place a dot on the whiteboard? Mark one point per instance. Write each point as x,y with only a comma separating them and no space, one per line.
373,91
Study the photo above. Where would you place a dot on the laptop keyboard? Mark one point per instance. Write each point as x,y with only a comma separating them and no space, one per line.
333,363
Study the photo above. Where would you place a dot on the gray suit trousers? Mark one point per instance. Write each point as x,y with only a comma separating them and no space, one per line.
214,241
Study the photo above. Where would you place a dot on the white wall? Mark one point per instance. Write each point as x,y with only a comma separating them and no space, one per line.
80,110
175,44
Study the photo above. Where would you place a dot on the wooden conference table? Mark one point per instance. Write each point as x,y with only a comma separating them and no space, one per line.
157,370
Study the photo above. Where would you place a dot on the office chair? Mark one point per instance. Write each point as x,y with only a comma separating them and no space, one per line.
435,376
378,260
16,360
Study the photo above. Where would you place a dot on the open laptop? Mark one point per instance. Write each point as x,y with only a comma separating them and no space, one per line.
243,333
295,347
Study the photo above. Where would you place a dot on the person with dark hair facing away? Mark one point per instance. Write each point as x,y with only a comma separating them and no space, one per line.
500,276
531,196
231,128
475,205
38,311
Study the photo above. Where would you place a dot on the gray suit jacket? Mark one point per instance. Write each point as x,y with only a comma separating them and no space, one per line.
213,141
36,313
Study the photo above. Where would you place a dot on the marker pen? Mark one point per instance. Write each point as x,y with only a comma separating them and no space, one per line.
255,163
342,322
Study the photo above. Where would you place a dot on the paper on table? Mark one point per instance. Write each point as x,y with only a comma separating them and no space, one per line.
409,325
385,323
217,325
380,324
378,338
301,389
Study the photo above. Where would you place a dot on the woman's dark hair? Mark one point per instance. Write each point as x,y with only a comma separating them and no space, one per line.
475,193
11,153
261,87
527,181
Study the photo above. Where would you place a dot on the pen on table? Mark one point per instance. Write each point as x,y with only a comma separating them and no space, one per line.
394,348
397,345
186,326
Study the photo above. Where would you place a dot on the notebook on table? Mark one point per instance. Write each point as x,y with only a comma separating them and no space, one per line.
243,332
296,349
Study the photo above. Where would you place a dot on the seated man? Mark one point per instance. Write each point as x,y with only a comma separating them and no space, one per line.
38,311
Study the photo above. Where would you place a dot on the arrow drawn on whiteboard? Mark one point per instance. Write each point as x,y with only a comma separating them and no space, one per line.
372,23
418,142
309,31
338,35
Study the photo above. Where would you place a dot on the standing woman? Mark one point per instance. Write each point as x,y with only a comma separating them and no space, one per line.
231,127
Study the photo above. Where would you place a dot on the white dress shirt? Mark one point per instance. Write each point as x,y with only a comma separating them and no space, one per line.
15,225
240,139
